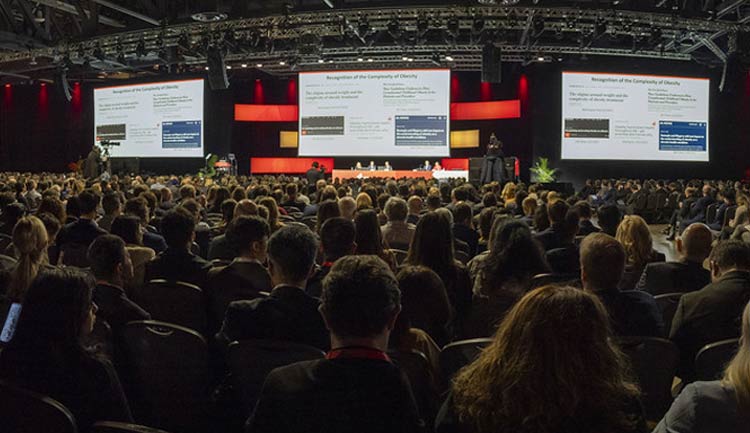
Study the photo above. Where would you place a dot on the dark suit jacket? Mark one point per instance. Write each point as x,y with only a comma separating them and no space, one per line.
586,227
698,209
551,238
468,235
115,307
288,313
711,314
238,281
632,313
336,396
673,277
175,265
221,248
313,175
315,283
82,232
154,241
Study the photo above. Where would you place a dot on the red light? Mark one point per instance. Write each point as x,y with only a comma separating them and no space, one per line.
7,86
44,84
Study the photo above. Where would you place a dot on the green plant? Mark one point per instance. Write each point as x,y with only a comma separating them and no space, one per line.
543,172
209,171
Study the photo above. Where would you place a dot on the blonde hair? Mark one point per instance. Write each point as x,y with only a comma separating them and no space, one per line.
509,192
30,242
635,237
737,373
364,201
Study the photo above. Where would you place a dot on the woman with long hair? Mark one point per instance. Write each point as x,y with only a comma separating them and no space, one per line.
432,246
48,355
273,213
635,237
720,406
326,210
30,242
552,367
369,238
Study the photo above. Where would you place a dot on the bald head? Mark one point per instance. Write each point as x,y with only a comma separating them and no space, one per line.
695,243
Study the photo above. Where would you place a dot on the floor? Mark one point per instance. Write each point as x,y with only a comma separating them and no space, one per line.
661,244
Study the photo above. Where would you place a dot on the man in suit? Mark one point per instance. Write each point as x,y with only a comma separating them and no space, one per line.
84,230
585,226
112,209
138,206
554,236
609,219
727,198
111,266
397,232
292,198
336,241
220,247
177,263
462,228
685,275
414,203
288,313
632,313
698,209
356,388
314,173
714,312
245,277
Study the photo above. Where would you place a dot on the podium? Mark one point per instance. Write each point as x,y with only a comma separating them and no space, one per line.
510,172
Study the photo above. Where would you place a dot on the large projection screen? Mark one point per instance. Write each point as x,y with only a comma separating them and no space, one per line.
156,120
375,113
608,116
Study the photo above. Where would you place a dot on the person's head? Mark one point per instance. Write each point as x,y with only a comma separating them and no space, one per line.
529,205
514,256
463,213
315,164
369,238
54,206
486,218
291,255
433,203
245,207
88,202
730,255
291,190
227,210
415,205
609,218
111,204
556,211
695,243
347,207
178,228
424,300
364,201
128,228
138,207
552,361
396,209
58,313
707,190
432,244
583,209
249,236
337,238
360,301
326,210
110,260
273,211
30,242
737,373
52,225
635,237
12,213
602,262
459,194
541,218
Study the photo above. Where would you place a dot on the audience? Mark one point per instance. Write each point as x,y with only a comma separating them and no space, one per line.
369,237
463,227
356,387
337,239
426,309
586,227
112,209
551,367
128,228
220,248
138,207
326,210
714,312
84,230
397,232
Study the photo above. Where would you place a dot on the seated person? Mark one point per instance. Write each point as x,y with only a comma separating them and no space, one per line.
177,263
686,274
111,265
128,228
138,206
584,213
463,229
220,247
356,388
246,277
713,313
47,353
553,237
397,233
609,217
336,240
288,313
634,235
632,313
84,230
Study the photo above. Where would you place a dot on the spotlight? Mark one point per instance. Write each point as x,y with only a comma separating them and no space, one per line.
370,59
321,61
448,57
282,63
244,65
435,59
540,59
360,59
259,65
229,67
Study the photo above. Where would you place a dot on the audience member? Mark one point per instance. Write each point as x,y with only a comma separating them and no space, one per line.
220,248
112,209
326,210
357,387
609,217
30,243
554,236
635,237
463,229
138,207
426,309
397,232
415,204
583,209
369,237
348,207
84,230
337,239
10,216
128,228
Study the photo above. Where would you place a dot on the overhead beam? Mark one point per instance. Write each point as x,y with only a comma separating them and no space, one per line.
130,12
724,11
69,8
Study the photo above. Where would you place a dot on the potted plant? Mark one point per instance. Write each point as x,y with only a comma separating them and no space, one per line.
542,172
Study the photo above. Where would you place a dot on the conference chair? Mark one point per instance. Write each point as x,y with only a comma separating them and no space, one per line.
23,411
667,304
175,302
728,215
456,355
121,427
711,212
713,358
417,369
165,373
400,255
654,362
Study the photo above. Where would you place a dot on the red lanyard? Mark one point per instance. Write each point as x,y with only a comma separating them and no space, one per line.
358,353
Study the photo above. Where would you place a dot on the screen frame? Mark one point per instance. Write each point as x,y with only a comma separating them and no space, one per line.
448,130
561,128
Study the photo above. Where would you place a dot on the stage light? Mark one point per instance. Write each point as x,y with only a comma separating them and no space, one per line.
7,86
540,58
259,65
229,67
330,61
206,68
360,59
321,61
404,57
244,65
370,59
410,59
282,63
449,58
43,84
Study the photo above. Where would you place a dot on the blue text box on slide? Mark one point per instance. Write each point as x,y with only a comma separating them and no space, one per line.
184,134
421,130
682,136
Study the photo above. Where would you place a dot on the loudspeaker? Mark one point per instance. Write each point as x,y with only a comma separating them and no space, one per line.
475,170
217,70
492,64
61,84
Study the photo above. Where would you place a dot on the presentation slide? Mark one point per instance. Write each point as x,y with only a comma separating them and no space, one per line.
157,120
375,113
634,117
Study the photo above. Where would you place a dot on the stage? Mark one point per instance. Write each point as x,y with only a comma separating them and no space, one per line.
399,174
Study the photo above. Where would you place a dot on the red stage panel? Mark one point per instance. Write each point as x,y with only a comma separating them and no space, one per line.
455,163
265,113
286,165
486,110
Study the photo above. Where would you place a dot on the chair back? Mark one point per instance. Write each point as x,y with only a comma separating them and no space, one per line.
400,255
416,367
174,302
654,363
560,279
75,254
23,411
462,256
165,371
667,304
711,213
459,354
728,215
250,361
564,260
713,358
121,427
